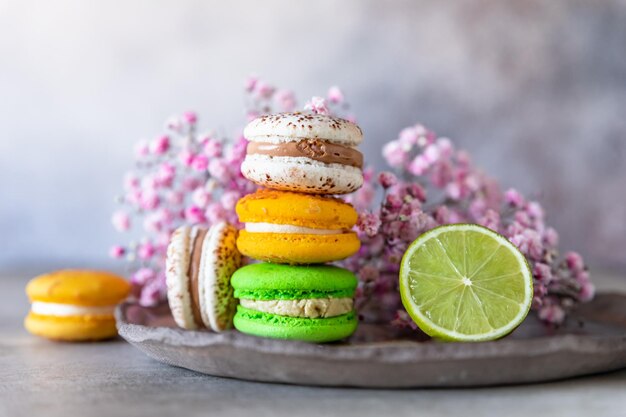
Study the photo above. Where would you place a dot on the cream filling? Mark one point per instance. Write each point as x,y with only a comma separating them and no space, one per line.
308,308
65,310
288,228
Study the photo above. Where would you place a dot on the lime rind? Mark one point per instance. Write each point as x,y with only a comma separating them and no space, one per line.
447,263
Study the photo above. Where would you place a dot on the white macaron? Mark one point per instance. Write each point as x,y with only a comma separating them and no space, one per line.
199,265
305,152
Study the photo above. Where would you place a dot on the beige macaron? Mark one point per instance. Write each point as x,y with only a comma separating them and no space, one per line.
304,152
199,265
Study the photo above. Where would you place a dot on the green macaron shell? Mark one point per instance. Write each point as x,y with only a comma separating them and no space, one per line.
267,281
296,328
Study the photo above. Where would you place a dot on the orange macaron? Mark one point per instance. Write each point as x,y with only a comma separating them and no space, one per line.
295,228
75,305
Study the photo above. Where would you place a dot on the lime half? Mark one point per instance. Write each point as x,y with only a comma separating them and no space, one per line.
464,282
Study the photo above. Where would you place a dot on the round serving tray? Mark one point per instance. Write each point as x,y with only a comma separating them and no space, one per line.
593,340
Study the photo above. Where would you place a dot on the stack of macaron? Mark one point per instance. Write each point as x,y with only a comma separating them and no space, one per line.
294,226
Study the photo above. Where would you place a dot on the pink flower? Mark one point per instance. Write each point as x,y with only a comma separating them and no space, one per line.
131,181
121,221
368,273
552,313
408,136
229,200
218,169
152,223
250,83
445,147
186,157
419,165
175,198
201,198
213,148
145,251
165,216
535,211
395,154
551,237
194,214
215,213
574,261
152,292
387,179
587,292
142,148
149,200
514,198
368,223
286,100
190,183
200,163
175,123
317,105
491,220
160,145
117,251
542,272
431,154
263,89
165,175
335,95
142,276
190,117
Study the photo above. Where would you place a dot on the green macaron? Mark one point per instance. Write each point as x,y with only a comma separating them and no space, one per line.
309,303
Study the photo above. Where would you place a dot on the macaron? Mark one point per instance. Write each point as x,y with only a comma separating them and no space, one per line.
75,305
295,228
198,268
305,152
309,303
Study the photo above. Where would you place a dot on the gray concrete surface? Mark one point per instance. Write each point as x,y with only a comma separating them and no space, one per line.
41,378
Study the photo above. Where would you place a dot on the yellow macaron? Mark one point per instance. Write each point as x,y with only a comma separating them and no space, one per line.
75,305
294,228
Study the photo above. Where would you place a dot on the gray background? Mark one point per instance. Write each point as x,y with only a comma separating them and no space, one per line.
535,90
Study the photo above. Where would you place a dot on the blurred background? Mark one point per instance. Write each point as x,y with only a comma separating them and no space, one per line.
536,91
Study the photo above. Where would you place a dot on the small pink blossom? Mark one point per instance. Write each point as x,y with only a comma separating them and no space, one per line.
574,261
552,313
165,175
587,292
142,276
117,252
368,273
551,237
201,198
190,183
395,154
152,292
200,163
542,272
215,213
145,251
131,181
218,169
194,215
190,117
149,200
335,95
534,210
250,83
213,148
263,89
121,221
152,223
160,145
514,198
286,100
229,200
142,148
175,198
419,165
317,105
368,223
387,179
186,157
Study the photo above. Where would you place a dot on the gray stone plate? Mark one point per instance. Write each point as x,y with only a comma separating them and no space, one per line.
594,340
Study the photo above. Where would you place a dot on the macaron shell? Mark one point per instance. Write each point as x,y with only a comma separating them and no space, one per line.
281,127
292,248
176,278
78,287
280,277
281,327
73,328
220,259
284,207
301,174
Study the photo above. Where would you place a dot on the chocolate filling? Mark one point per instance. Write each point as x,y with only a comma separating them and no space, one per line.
316,149
193,273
